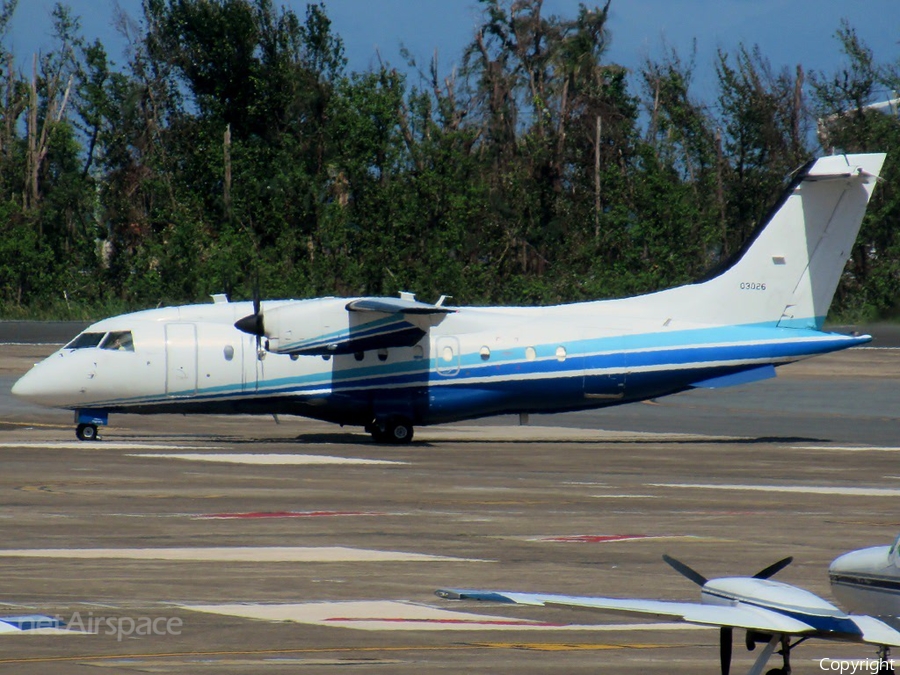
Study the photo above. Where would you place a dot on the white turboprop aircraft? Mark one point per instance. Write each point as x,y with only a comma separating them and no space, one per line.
771,612
868,580
389,364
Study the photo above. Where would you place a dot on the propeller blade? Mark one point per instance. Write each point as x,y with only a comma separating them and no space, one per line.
686,571
774,568
259,328
726,636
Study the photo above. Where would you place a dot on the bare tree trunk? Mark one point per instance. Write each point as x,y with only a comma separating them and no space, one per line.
226,151
39,145
598,131
31,189
796,112
720,192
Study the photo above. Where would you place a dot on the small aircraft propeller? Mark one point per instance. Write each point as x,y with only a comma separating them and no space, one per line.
726,633
686,571
726,638
774,568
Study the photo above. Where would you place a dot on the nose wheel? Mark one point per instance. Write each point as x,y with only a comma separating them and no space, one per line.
87,432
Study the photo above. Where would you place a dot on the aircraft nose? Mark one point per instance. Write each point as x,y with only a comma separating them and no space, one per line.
26,387
36,387
865,560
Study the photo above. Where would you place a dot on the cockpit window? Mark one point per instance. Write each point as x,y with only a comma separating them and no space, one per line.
85,341
119,341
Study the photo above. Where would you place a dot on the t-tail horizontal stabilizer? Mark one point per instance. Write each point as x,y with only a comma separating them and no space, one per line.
787,273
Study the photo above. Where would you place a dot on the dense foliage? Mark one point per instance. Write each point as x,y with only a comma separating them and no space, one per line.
235,148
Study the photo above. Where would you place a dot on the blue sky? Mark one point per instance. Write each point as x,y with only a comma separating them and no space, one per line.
787,31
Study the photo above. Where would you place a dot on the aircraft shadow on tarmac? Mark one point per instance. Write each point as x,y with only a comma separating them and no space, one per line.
356,439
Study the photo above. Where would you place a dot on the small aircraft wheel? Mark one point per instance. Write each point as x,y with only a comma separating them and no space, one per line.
87,432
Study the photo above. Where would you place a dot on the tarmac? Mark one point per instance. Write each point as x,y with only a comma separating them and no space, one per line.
242,545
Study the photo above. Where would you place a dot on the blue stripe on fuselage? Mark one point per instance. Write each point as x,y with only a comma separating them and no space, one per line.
510,381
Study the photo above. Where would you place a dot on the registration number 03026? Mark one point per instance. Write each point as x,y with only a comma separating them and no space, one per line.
752,286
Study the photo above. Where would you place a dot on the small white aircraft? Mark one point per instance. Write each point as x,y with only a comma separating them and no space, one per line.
868,580
388,364
771,612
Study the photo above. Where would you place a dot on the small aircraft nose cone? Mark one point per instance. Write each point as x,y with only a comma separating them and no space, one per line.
252,324
864,561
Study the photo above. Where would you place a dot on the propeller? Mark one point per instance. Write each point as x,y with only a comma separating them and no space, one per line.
774,568
686,571
254,324
726,636
726,633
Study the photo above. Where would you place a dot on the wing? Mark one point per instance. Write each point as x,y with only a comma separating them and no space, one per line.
876,632
327,326
738,616
395,306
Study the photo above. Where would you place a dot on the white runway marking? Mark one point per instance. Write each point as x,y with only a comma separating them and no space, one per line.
235,554
104,445
9,630
847,448
802,489
548,434
607,538
392,616
268,459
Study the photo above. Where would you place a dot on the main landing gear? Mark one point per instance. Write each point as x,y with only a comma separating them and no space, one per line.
393,430
87,432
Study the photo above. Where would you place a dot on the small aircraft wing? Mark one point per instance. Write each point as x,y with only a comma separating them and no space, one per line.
876,632
738,616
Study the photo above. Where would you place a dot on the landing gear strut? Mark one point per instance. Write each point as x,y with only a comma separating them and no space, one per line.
393,430
87,432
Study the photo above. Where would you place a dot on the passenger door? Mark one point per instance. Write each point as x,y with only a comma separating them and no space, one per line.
181,359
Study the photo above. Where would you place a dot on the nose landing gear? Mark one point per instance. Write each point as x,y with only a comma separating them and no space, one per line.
88,421
87,432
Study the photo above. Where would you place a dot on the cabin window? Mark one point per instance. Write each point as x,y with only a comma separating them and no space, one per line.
118,341
485,353
382,354
228,352
418,352
560,353
447,354
530,354
86,341
359,356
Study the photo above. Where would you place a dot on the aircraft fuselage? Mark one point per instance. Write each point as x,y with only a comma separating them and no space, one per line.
476,362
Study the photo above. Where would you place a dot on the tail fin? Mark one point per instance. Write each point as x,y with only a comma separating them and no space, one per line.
788,274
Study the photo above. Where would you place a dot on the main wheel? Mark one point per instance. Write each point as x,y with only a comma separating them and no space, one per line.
395,430
86,432
399,431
